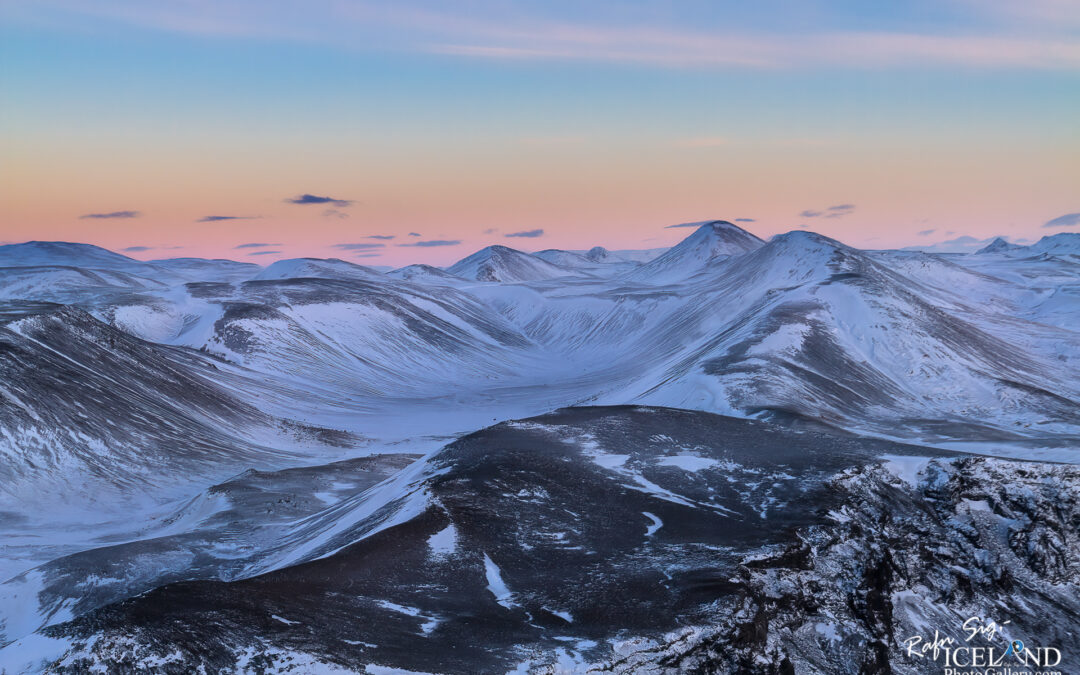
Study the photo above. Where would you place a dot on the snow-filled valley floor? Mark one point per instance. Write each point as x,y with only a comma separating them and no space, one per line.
710,457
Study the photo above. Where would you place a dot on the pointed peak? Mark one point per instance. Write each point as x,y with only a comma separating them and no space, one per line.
999,245
597,254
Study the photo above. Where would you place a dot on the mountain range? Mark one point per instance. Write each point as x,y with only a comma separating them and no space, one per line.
640,461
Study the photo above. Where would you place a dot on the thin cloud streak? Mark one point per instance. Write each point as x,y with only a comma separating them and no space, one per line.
358,247
857,50
113,214
433,242
214,219
523,37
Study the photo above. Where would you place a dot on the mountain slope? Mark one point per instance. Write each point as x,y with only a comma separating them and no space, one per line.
87,409
821,330
65,254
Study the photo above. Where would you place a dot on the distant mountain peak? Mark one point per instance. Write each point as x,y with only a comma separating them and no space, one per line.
999,245
1061,243
712,239
597,254
502,263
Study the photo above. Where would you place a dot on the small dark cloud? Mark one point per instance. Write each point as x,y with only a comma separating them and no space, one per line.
528,234
214,219
842,207
254,245
414,234
384,237
809,214
314,199
491,230
1067,220
136,249
433,242
745,220
368,255
334,213
668,227
113,214
358,247
926,233
264,253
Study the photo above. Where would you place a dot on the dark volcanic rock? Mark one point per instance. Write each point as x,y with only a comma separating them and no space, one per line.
639,540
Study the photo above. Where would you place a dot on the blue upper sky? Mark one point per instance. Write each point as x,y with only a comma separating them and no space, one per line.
599,122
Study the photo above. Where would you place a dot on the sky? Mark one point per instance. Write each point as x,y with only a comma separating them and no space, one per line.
389,133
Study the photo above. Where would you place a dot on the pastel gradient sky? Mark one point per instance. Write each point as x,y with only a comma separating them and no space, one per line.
184,128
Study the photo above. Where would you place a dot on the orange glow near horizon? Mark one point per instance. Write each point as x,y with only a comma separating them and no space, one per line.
581,195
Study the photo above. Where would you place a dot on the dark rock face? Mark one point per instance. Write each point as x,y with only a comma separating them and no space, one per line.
639,540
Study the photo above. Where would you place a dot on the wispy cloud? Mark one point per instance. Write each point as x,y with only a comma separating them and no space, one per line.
1045,41
264,253
254,245
414,234
433,242
926,233
745,220
385,237
136,249
367,255
358,247
214,219
528,234
838,211
306,199
334,213
688,48
1067,220
111,214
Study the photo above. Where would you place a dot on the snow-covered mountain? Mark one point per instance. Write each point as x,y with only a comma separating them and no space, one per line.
1063,243
203,270
999,245
316,268
426,274
65,254
712,241
504,264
